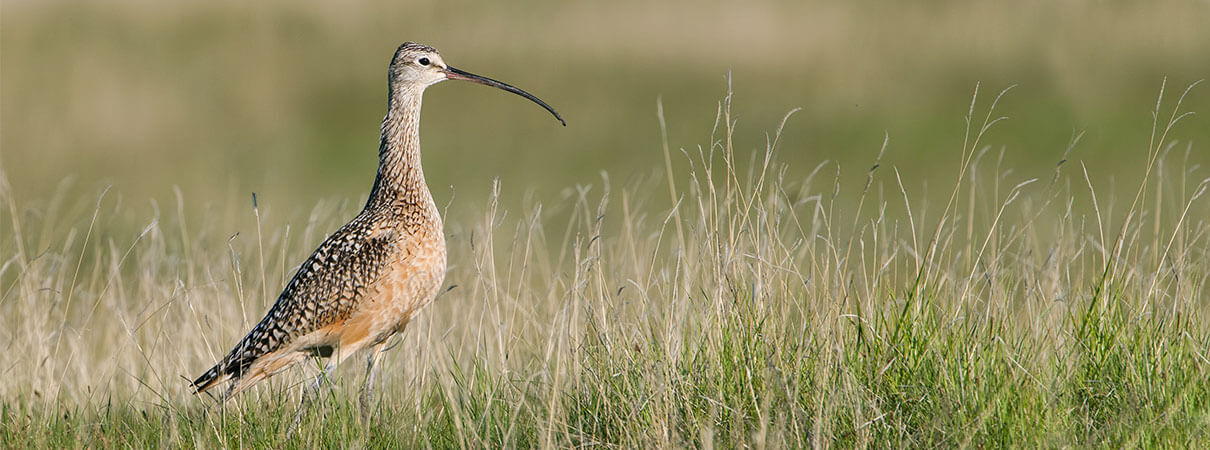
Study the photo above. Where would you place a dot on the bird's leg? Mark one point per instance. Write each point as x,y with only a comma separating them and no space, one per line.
308,394
367,390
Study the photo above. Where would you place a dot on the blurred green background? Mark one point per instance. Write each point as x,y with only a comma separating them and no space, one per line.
285,98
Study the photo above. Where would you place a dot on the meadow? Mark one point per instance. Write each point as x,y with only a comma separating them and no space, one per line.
757,312
932,226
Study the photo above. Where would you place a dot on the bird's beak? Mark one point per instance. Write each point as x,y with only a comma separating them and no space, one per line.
455,74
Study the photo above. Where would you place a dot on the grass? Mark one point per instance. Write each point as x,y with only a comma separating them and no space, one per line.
765,309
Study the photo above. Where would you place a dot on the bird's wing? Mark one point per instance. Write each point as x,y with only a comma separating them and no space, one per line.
326,289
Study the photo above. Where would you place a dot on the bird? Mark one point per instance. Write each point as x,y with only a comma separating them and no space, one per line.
369,278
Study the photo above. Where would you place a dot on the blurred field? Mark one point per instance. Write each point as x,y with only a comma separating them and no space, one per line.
1014,290
284,98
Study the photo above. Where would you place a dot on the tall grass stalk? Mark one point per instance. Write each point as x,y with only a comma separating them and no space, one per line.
763,309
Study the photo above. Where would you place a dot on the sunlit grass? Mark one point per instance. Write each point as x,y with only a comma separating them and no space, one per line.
765,310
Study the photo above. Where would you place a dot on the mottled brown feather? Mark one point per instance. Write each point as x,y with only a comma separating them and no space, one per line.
365,281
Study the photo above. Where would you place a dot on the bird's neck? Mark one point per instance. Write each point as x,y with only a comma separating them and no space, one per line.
400,184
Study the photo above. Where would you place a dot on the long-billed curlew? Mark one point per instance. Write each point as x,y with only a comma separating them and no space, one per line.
367,280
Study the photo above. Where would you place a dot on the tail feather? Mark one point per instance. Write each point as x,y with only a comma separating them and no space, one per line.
252,347
230,367
243,376
212,377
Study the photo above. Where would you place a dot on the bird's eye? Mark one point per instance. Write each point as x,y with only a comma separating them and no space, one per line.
423,61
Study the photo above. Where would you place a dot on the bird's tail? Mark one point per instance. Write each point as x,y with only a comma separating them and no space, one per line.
230,367
246,364
214,376
263,341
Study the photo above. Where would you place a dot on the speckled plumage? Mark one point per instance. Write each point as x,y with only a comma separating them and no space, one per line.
367,279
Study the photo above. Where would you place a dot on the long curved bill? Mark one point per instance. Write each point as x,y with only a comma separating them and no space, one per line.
455,74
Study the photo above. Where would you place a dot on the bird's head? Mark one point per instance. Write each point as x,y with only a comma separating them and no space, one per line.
416,67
